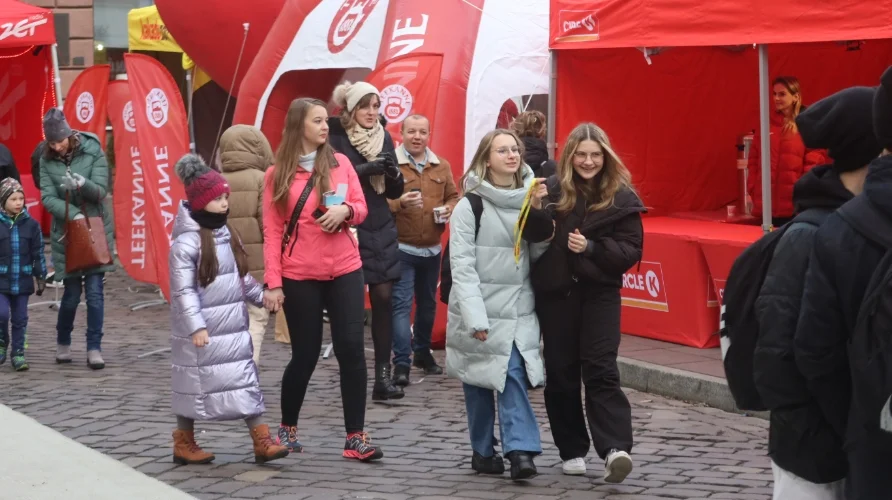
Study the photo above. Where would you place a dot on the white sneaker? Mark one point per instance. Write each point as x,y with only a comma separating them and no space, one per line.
619,465
574,467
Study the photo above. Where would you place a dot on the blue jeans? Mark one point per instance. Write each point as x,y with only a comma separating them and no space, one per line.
14,307
418,281
517,422
71,299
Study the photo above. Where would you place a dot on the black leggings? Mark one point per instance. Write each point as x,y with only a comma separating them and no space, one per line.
343,298
381,297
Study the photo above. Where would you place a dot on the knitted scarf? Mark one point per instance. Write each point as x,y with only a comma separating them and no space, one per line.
369,143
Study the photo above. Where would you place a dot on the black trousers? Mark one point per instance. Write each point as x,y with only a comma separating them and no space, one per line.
581,335
344,299
869,477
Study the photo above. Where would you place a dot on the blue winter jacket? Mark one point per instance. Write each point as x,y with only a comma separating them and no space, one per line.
21,254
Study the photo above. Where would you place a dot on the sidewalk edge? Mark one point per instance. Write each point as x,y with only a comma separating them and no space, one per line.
679,384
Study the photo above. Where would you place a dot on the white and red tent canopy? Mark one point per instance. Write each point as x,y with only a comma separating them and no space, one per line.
492,50
24,25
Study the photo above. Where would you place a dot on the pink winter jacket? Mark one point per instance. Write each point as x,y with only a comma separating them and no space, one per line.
315,254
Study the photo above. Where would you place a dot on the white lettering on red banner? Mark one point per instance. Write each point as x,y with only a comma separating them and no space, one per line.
162,159
85,107
23,28
644,287
137,212
412,36
347,22
579,26
396,102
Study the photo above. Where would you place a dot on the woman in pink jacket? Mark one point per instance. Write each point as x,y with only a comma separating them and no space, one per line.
312,263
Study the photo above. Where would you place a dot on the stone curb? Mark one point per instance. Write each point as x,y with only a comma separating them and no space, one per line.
679,384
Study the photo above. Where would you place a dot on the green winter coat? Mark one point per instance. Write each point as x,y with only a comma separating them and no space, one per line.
88,161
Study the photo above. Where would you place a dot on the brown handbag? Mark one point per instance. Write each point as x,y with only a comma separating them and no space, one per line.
85,244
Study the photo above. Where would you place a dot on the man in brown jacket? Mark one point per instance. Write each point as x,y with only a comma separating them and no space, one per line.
245,154
421,215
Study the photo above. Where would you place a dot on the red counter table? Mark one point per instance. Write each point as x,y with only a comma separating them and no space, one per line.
672,296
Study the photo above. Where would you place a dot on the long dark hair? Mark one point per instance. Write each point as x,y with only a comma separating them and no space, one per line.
208,266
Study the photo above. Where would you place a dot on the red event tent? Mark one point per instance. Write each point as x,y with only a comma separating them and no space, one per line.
29,82
675,84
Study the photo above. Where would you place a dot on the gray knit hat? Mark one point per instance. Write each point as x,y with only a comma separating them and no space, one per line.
55,126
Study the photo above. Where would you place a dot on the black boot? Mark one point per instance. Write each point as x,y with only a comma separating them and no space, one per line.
522,466
425,360
384,388
401,375
488,465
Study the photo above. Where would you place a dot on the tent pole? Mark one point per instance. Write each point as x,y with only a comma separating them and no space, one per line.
552,106
190,84
765,137
57,79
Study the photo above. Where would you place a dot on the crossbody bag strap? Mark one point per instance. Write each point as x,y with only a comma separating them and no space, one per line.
295,215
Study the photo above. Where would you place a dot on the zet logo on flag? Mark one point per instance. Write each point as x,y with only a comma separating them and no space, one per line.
397,103
129,120
157,107
85,107
347,22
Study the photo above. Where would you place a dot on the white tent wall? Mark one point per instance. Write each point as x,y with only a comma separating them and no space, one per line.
511,59
309,49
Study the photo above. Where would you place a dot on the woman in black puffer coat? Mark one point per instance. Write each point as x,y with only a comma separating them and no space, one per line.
359,135
530,127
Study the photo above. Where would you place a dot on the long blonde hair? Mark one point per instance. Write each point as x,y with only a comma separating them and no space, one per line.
791,83
290,149
615,174
479,165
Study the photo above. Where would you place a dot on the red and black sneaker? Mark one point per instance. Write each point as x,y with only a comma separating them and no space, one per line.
359,447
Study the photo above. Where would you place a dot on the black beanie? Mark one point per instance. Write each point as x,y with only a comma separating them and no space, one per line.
882,110
842,123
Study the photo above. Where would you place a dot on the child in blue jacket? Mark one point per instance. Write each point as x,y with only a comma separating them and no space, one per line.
21,259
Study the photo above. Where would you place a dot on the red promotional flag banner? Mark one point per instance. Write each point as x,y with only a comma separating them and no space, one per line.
130,204
85,105
408,85
163,136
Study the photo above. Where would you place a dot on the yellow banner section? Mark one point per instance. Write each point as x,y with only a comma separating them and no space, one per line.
147,31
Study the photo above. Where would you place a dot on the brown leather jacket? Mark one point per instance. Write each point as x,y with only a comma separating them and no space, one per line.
416,227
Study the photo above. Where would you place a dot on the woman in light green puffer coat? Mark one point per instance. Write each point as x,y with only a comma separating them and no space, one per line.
75,164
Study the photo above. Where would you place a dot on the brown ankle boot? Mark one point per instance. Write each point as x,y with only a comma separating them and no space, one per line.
186,451
265,450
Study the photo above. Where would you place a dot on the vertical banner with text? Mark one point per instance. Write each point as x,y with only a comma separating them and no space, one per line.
163,137
87,99
131,227
409,85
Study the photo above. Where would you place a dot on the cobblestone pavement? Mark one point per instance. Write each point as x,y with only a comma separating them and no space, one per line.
682,450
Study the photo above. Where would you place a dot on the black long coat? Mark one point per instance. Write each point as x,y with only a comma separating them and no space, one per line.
378,244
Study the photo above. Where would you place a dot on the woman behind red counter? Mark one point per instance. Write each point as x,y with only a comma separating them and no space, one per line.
789,157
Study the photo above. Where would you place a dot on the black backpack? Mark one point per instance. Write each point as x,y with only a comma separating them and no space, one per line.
445,267
870,346
740,326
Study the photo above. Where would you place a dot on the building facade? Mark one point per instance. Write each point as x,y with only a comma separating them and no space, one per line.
74,35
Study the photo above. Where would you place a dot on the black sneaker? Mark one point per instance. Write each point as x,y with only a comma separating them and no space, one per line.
401,375
488,465
425,360
359,447
522,466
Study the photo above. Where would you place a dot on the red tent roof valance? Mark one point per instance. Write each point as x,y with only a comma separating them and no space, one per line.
23,25
580,24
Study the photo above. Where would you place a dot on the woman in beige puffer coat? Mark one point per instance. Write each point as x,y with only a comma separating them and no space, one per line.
245,154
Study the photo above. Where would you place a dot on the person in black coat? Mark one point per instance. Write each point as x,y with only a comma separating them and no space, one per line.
598,235
7,165
840,267
530,127
38,153
360,136
802,444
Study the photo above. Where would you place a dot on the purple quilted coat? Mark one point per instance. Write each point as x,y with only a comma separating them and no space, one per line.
218,381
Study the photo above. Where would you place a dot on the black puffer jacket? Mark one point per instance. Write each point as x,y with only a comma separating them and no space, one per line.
800,440
35,162
7,164
536,156
839,270
378,245
615,236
